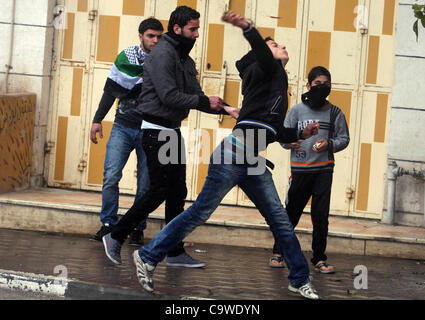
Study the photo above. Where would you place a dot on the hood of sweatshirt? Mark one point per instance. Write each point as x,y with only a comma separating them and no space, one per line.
245,62
242,65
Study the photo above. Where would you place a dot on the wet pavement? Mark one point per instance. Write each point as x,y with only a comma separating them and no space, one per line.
232,273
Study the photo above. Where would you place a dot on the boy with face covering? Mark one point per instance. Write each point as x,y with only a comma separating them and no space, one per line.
312,162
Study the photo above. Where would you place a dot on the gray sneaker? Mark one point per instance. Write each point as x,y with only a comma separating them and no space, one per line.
307,291
112,248
184,260
144,272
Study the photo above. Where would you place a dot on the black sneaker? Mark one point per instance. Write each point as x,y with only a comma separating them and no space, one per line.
102,232
136,238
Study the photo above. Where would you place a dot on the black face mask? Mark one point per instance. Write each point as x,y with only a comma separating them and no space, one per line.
316,97
185,44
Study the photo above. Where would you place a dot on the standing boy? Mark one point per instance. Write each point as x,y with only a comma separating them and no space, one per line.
312,163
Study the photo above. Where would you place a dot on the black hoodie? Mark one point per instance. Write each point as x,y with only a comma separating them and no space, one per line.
265,91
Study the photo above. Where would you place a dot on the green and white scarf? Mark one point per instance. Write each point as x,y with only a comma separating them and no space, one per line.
127,70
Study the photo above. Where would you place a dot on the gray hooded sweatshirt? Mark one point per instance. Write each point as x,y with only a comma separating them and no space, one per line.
333,128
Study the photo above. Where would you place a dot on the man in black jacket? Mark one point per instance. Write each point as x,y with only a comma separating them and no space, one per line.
170,91
264,84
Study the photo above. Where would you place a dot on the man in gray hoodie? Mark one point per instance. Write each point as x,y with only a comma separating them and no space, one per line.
312,162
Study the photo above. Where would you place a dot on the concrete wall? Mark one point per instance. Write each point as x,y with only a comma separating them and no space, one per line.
31,50
407,137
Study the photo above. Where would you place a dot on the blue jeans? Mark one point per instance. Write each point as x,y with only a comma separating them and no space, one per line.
222,177
123,140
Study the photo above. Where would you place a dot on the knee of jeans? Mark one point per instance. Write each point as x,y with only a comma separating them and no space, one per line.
200,212
281,221
111,177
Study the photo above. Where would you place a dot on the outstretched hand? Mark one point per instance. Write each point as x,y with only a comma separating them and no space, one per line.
235,19
233,112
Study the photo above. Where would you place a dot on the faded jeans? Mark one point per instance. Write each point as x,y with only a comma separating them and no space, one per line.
122,141
260,188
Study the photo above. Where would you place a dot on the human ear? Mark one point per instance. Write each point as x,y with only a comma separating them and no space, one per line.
177,29
308,86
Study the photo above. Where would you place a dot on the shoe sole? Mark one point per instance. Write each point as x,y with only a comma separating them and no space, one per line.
271,265
107,254
135,258
324,272
199,265
136,244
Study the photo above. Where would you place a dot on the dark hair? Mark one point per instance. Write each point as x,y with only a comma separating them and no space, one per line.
268,38
150,23
181,16
317,72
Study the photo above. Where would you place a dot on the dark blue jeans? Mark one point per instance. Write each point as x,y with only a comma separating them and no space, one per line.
260,188
122,141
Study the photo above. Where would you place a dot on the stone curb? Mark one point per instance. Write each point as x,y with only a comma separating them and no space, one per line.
74,289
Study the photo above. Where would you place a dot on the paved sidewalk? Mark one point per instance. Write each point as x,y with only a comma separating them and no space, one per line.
232,273
77,212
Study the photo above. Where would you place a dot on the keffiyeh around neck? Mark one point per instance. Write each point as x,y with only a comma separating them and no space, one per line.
127,70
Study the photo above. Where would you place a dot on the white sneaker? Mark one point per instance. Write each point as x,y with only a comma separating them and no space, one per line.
307,291
144,272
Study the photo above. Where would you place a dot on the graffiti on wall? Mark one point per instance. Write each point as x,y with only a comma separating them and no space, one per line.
17,114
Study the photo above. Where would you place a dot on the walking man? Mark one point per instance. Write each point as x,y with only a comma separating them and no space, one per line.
124,83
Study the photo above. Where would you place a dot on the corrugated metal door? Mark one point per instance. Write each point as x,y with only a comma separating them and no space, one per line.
68,131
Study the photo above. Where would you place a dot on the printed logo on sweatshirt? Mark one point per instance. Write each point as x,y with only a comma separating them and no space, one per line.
303,124
300,154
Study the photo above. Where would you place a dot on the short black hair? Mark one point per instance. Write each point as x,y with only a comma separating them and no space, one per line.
268,38
181,16
317,72
150,23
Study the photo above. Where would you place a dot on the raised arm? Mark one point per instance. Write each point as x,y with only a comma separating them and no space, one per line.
262,51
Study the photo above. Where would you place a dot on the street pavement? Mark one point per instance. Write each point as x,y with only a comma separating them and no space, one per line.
232,273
